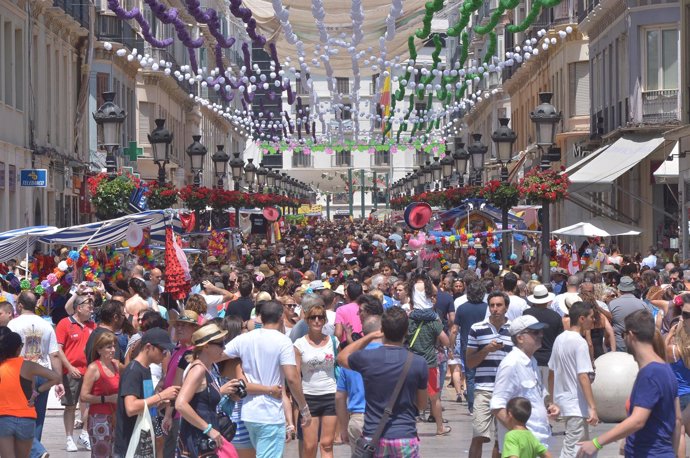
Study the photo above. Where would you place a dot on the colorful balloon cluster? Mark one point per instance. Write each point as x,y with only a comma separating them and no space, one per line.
145,255
113,266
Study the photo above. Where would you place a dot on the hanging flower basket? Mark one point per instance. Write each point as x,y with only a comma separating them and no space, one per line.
195,198
500,194
544,185
161,197
110,197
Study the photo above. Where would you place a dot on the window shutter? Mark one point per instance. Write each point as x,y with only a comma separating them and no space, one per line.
579,88
145,119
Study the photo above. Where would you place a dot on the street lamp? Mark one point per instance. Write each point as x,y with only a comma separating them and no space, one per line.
427,175
546,117
109,118
447,169
249,173
261,177
504,137
237,167
197,152
220,164
460,157
477,150
436,172
160,139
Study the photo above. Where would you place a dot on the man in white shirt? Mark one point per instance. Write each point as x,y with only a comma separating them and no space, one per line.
40,346
572,286
570,369
517,305
268,358
650,260
519,375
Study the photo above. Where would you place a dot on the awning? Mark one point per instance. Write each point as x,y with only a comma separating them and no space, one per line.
599,173
668,171
579,164
598,227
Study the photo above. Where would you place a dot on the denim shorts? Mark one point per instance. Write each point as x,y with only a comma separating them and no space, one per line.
18,427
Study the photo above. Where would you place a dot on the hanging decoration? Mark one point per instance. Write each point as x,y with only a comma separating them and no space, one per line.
90,266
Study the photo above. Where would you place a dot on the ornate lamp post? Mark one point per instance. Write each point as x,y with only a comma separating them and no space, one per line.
545,118
220,164
436,173
109,118
261,177
427,175
197,152
271,181
447,169
477,150
249,174
504,137
160,139
460,157
237,168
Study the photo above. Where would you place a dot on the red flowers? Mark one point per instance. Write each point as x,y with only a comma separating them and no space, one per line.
539,185
500,194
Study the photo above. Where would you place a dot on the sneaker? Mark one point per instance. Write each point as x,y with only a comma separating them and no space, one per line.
71,446
45,455
458,398
84,441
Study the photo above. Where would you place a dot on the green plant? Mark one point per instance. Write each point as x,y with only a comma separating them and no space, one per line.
500,194
161,197
111,196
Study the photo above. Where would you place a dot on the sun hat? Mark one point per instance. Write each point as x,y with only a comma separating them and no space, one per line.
609,269
541,295
188,316
211,260
626,284
264,269
271,213
340,290
570,298
263,296
316,285
524,322
207,333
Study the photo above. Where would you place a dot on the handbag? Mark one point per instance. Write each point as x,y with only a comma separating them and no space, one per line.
141,444
367,449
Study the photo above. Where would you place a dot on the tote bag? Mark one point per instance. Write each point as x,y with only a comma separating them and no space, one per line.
142,443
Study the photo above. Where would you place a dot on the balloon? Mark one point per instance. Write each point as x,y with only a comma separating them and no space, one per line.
63,266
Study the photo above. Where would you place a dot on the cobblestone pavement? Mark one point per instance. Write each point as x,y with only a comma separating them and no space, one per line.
454,445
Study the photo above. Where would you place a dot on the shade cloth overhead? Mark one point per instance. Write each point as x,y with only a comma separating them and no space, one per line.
16,243
598,227
599,173
668,171
585,160
339,25
95,234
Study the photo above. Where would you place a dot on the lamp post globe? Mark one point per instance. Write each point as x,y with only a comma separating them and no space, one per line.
250,173
261,176
160,139
237,168
109,118
477,150
545,117
196,152
461,158
220,164
504,137
436,172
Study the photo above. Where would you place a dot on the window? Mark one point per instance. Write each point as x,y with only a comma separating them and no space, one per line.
579,88
661,53
13,178
19,69
343,85
9,62
347,112
2,175
146,115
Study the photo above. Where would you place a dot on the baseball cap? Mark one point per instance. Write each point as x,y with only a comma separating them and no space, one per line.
525,322
159,338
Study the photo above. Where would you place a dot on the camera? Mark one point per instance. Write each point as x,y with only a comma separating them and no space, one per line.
207,444
242,389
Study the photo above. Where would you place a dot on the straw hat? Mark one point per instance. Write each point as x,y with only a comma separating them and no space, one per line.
207,333
189,316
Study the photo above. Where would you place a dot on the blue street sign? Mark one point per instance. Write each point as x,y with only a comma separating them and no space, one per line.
36,178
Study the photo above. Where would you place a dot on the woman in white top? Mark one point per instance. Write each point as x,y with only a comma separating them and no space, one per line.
315,357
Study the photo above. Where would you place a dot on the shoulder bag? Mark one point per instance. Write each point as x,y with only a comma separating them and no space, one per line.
367,449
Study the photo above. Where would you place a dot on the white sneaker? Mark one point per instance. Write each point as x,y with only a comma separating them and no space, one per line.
84,440
71,446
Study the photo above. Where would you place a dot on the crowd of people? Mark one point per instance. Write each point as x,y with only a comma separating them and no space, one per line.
305,338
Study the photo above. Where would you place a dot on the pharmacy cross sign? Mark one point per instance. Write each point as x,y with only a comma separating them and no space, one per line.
133,152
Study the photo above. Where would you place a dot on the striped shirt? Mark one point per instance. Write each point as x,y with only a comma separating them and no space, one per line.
481,335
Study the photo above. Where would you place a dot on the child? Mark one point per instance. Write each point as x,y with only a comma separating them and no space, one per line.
519,441
6,312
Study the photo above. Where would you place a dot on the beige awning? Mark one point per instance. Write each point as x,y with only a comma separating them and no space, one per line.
668,171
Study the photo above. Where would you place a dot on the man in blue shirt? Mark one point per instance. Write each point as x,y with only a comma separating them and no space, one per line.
349,399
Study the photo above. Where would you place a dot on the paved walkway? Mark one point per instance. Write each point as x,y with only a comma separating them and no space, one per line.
455,445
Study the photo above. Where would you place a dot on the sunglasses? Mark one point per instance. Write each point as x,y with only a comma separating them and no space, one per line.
685,315
317,317
292,306
162,350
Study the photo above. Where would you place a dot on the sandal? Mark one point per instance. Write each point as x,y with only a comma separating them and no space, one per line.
446,431
78,424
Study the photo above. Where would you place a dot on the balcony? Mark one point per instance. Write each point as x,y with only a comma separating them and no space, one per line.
161,54
302,161
110,28
584,7
79,11
660,106
341,159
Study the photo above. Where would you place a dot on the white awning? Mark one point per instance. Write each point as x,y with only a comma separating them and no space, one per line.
578,165
598,227
598,174
668,171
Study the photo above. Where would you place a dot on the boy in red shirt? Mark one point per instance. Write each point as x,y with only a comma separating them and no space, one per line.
72,334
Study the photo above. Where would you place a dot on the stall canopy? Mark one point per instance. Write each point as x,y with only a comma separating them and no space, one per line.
94,234
598,227
598,174
668,171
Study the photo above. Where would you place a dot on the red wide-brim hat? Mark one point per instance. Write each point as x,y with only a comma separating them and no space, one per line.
417,215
